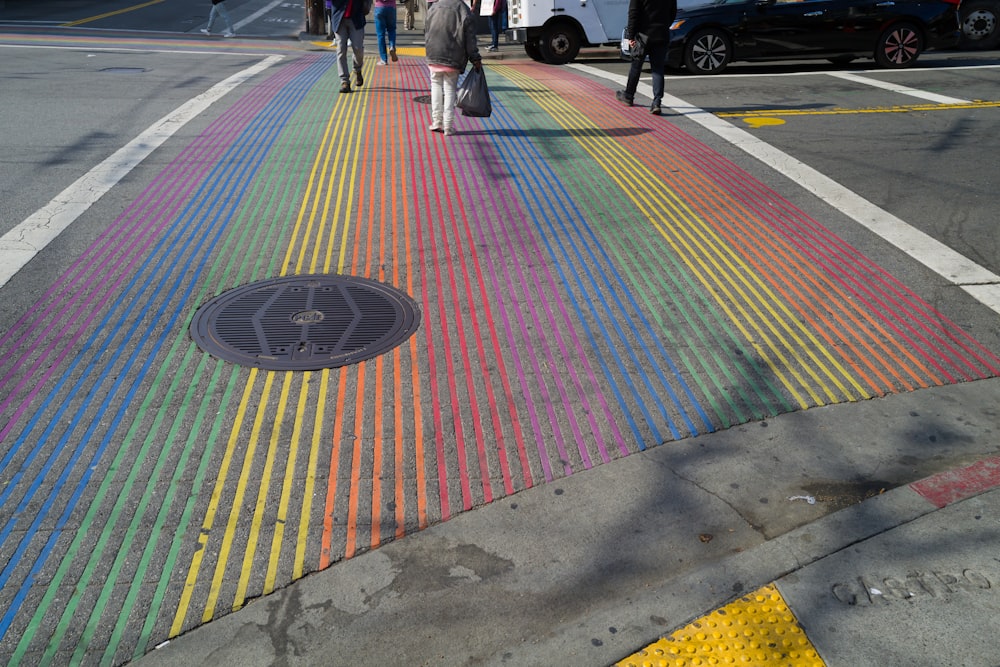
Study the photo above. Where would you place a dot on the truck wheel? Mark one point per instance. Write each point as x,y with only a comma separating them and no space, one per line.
899,46
533,50
708,52
979,24
560,43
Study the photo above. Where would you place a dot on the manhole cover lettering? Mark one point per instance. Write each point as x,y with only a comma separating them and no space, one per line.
308,317
305,322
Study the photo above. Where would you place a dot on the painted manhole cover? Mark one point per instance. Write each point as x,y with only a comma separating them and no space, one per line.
305,322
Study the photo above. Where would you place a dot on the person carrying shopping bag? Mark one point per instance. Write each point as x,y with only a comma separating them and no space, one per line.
450,30
649,28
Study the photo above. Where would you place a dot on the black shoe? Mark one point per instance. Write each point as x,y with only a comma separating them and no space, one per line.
655,110
359,80
345,86
623,97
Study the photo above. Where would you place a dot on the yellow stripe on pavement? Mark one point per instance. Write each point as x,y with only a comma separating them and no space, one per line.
902,108
107,14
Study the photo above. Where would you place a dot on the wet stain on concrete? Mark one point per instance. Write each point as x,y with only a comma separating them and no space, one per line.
839,494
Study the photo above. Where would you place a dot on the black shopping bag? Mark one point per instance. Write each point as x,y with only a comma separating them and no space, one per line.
641,41
473,95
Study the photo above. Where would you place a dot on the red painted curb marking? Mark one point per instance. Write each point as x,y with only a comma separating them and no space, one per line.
947,487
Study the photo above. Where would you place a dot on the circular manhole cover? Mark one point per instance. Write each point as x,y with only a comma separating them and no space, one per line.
305,323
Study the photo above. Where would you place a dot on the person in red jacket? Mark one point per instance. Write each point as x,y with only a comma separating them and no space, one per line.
652,20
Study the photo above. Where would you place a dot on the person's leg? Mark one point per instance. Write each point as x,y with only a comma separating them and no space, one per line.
391,29
343,36
225,17
437,101
381,30
628,95
658,64
358,45
211,19
450,86
495,31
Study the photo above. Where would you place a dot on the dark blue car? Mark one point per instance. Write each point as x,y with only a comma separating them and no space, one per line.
707,36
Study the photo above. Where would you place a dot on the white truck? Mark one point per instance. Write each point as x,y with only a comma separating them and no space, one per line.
553,31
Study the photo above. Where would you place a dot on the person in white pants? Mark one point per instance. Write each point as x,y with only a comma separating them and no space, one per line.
450,35
219,7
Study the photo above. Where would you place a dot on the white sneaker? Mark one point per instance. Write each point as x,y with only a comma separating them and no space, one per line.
229,33
434,127
380,62
449,131
205,31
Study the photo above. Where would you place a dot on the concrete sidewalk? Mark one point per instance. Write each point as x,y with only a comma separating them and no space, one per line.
592,569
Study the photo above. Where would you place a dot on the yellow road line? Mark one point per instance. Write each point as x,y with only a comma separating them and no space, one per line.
106,15
903,108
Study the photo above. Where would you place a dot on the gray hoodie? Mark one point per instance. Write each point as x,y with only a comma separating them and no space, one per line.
450,32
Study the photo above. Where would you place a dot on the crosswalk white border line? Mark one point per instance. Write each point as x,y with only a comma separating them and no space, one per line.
22,243
981,283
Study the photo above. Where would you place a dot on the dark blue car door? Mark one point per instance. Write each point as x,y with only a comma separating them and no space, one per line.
807,27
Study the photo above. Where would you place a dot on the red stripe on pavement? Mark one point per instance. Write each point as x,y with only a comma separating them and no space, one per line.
947,487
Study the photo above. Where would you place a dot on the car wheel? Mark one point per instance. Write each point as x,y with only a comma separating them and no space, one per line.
899,46
979,24
560,43
708,52
533,50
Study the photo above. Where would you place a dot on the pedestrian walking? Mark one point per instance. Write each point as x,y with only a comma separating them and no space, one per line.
347,21
450,30
219,8
497,23
385,30
649,28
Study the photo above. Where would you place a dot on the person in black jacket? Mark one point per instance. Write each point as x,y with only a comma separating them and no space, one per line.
652,20
347,22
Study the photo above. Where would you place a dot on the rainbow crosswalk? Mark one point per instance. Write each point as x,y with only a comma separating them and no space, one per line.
592,282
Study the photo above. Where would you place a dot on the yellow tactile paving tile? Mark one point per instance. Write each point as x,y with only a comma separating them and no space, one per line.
757,629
